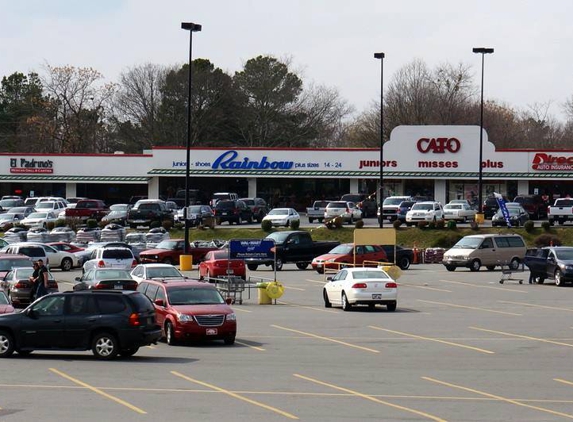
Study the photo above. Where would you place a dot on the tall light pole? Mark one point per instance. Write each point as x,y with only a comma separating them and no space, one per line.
483,51
381,191
191,27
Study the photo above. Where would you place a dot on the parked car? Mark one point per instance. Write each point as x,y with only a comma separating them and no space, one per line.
391,205
9,261
401,256
191,310
107,322
24,210
156,271
348,254
17,285
424,211
402,210
59,259
222,196
117,214
6,204
551,263
8,219
533,204
459,212
105,278
197,214
111,257
146,211
233,211
258,206
366,203
33,251
282,217
66,247
39,219
517,217
490,206
218,264
347,210
52,206
5,304
316,211
561,211
360,286
169,251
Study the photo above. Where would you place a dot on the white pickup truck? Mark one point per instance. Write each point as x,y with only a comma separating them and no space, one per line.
316,212
561,211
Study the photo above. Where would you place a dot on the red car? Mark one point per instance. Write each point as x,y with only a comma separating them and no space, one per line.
65,247
5,306
218,264
190,310
169,251
347,253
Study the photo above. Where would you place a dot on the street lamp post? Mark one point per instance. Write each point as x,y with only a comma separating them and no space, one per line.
483,51
381,191
191,27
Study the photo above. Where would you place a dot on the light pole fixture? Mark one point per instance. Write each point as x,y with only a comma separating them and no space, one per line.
191,27
483,51
381,189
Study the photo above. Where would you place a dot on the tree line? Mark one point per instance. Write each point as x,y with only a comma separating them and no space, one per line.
265,104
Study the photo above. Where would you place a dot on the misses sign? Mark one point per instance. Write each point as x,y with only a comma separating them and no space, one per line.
24,165
252,249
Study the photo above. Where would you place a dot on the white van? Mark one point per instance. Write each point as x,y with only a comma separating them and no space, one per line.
489,250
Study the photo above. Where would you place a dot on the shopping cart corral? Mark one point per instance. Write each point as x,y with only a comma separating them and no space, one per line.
233,287
510,272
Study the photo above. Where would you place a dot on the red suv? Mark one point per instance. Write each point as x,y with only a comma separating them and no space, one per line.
191,310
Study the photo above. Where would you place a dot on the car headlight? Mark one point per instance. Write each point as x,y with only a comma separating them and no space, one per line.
231,317
184,318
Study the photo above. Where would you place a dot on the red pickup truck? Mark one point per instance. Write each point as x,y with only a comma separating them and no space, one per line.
88,208
169,251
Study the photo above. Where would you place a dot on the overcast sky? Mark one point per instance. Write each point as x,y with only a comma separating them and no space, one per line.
330,42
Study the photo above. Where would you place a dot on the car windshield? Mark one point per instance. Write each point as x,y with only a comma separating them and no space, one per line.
453,207
278,211
119,207
195,209
337,205
3,299
8,264
362,275
565,254
25,273
9,203
278,237
111,274
7,217
510,210
194,296
426,207
341,250
468,243
163,272
38,215
392,201
168,244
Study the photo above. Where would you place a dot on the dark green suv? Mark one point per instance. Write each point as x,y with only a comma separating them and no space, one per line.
107,322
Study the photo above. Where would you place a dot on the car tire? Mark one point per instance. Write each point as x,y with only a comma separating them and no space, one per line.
475,265
170,334
302,265
129,351
345,304
6,344
391,307
404,263
252,267
514,264
450,267
351,221
320,271
230,340
558,278
278,264
105,346
287,224
310,220
490,267
327,303
66,264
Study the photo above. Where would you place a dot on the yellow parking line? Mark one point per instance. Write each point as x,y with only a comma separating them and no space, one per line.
433,339
260,349
316,281
235,395
294,288
543,340
242,310
326,339
504,399
469,307
371,398
563,381
98,391
424,287
485,287
537,306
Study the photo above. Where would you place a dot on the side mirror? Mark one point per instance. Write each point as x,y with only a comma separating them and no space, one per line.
77,279
159,302
328,278
29,312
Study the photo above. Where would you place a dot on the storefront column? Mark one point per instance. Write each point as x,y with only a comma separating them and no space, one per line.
523,187
153,188
440,191
354,186
252,187
71,191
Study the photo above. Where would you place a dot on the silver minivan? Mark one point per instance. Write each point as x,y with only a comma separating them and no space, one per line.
489,250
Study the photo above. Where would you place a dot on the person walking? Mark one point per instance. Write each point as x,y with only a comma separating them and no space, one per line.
42,280
34,280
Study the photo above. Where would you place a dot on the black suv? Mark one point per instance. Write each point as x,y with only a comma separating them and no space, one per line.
107,322
533,204
233,211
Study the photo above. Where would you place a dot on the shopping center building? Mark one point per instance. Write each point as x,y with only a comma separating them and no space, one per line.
438,161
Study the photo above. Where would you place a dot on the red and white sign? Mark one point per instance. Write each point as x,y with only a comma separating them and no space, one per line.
550,162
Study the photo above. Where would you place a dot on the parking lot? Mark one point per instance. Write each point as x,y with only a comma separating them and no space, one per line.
460,347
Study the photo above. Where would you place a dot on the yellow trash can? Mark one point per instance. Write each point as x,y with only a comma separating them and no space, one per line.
479,218
264,298
186,262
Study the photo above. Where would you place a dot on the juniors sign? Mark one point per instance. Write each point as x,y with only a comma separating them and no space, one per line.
26,165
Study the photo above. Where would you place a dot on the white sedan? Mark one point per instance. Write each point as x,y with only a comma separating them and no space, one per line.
282,216
156,271
360,286
39,219
459,212
60,259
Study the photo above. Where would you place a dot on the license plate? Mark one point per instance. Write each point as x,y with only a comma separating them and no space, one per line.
230,272
376,296
211,331
118,287
318,265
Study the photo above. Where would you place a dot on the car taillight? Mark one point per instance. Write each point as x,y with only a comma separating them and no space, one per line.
100,286
134,263
347,210
359,286
391,285
134,320
21,285
101,264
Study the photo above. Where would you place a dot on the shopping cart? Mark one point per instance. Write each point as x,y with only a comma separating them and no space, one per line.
511,273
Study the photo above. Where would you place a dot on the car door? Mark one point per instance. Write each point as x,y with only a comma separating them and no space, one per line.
80,316
43,324
488,252
551,264
334,287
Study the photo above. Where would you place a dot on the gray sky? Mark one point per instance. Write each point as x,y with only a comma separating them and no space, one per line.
331,42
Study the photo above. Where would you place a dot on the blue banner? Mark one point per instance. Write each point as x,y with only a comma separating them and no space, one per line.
503,208
252,249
